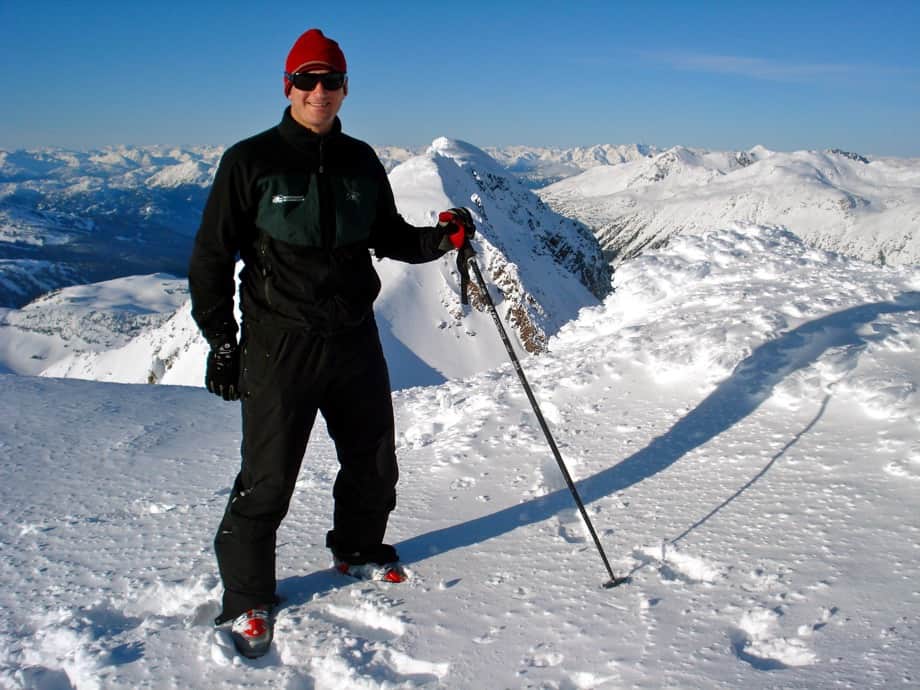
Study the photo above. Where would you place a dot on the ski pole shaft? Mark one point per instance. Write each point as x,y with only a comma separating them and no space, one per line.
614,580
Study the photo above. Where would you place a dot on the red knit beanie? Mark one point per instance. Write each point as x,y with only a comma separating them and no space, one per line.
313,51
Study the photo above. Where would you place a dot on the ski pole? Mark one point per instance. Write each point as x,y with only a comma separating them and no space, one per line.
467,257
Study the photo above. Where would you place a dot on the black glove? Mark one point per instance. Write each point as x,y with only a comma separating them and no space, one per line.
223,371
458,227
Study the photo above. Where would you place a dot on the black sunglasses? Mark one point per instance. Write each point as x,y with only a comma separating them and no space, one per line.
307,81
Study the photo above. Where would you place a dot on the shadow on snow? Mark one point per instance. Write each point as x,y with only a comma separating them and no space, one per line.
750,384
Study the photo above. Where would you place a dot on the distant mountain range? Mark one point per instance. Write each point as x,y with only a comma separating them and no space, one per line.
835,200
542,269
69,217
70,220
538,166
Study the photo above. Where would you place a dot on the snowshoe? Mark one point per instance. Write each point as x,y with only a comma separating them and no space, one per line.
381,572
252,631
378,562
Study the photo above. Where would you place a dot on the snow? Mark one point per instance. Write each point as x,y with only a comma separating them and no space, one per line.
98,215
545,165
832,199
56,329
741,416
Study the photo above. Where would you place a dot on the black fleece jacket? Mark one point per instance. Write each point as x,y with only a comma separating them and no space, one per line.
303,212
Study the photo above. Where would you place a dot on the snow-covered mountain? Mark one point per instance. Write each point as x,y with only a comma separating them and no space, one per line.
69,217
544,268
540,166
391,156
86,319
75,217
741,415
835,200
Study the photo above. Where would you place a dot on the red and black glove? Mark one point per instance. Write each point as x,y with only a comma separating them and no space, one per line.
458,227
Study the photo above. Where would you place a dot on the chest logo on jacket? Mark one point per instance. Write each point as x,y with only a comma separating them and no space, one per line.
287,198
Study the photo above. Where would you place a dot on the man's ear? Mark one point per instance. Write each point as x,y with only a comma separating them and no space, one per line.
345,87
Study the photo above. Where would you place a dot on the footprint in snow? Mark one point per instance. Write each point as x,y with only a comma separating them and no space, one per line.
542,656
491,636
545,666
350,642
906,468
367,620
67,648
758,641
462,483
572,532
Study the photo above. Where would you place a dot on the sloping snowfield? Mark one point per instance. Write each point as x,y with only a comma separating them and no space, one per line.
835,200
741,415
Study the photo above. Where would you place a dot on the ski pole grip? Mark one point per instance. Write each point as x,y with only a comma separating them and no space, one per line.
464,254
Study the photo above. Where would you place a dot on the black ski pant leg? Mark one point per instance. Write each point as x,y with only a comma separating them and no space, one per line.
277,414
358,411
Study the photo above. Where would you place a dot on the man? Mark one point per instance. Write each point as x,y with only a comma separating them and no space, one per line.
302,204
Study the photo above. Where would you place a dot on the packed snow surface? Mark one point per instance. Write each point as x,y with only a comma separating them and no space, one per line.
743,422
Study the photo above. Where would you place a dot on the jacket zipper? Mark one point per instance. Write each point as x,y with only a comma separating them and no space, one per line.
266,273
327,224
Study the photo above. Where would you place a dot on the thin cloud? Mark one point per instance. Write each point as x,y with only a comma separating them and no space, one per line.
756,68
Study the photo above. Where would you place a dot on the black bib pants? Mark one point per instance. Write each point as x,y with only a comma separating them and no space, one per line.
287,376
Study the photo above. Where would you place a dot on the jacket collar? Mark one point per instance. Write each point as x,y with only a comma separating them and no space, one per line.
302,138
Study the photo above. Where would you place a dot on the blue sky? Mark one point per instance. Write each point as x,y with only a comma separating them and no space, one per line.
787,75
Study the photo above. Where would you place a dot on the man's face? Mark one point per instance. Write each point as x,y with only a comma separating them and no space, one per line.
316,109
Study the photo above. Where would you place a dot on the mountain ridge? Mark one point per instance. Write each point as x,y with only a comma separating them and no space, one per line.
835,200
541,269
